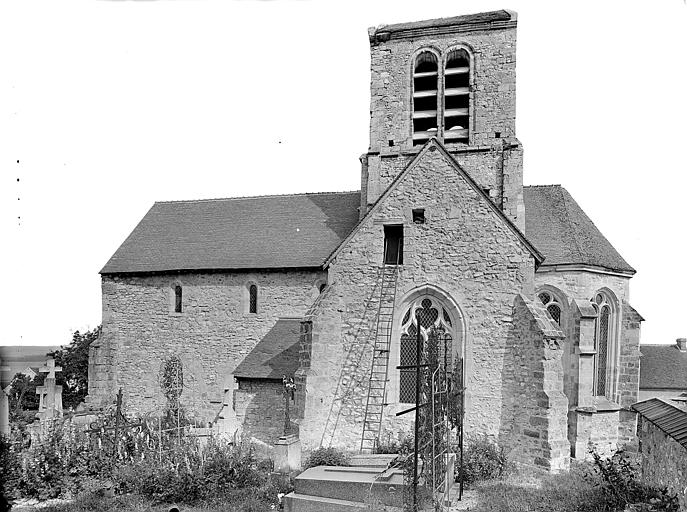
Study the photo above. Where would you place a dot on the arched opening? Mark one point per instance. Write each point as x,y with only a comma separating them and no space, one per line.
457,96
253,298
438,314
425,97
604,344
178,300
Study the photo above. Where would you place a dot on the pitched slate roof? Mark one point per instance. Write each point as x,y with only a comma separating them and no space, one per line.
264,232
303,230
560,229
275,355
662,367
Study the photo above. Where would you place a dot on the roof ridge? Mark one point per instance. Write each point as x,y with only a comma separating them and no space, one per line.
264,196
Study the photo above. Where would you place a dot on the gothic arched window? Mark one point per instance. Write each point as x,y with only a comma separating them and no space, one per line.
177,298
425,97
552,306
252,299
602,344
429,315
457,96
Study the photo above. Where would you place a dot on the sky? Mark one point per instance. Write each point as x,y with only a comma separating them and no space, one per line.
109,106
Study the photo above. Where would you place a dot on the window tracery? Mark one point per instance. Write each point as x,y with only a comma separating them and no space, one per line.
552,306
429,316
602,343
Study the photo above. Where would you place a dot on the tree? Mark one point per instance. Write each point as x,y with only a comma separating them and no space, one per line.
74,362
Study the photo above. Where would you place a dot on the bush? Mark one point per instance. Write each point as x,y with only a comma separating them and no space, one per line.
402,446
191,472
621,486
483,459
326,457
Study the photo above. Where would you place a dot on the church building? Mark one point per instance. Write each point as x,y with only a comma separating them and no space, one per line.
332,288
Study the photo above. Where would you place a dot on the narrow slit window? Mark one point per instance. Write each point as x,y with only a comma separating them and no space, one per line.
253,299
393,245
177,299
457,97
425,97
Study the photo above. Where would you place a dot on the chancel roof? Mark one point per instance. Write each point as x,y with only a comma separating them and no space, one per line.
275,355
560,229
663,367
265,232
303,230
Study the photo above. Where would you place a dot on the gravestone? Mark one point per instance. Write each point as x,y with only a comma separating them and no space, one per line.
50,405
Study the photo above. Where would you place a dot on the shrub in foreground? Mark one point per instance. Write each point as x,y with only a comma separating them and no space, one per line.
326,457
483,459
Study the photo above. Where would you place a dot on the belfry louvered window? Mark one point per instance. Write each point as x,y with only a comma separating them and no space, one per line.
457,96
552,306
425,97
602,339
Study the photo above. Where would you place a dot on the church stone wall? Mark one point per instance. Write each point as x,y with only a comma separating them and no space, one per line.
492,86
493,157
534,417
212,335
464,249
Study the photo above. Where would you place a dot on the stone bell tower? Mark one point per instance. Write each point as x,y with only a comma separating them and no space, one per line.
452,79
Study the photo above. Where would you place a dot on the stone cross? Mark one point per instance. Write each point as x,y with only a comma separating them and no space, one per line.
50,369
50,405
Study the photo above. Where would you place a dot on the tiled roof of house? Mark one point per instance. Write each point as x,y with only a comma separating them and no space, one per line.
264,232
275,355
662,367
559,228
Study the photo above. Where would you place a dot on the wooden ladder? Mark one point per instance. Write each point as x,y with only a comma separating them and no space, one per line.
379,371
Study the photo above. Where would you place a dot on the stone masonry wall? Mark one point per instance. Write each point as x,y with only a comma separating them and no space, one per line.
212,335
628,374
259,408
492,86
664,461
533,426
493,156
464,252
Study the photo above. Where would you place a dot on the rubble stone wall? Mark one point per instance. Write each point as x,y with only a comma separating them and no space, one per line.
464,254
664,461
212,334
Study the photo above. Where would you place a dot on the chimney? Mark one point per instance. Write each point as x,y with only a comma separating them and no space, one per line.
682,344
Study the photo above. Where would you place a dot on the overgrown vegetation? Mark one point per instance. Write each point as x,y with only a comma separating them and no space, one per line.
326,457
483,460
159,464
602,485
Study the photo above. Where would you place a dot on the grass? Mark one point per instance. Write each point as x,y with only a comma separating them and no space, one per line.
527,491
241,501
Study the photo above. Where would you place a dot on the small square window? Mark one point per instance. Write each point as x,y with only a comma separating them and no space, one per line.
419,216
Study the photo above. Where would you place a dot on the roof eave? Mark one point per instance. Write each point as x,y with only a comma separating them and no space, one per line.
145,273
584,267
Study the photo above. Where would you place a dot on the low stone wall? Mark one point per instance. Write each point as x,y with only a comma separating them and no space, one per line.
664,461
259,407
